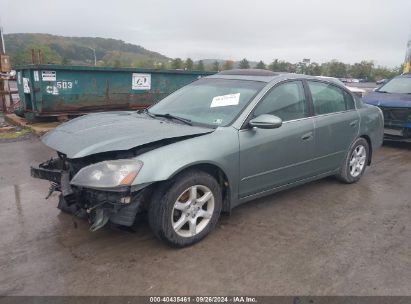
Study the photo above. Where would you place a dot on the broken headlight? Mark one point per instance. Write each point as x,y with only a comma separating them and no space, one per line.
108,174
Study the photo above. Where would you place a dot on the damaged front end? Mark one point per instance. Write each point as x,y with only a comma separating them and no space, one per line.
397,123
98,161
92,191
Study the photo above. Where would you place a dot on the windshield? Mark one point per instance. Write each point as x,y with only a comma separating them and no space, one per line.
210,101
400,85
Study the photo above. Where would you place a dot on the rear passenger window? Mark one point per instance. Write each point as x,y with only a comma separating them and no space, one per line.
286,101
328,98
349,101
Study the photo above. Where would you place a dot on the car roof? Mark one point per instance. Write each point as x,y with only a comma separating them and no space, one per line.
252,74
266,76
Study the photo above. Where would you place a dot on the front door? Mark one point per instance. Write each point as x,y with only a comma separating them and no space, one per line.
270,158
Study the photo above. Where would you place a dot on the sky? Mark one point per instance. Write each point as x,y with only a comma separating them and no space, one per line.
346,30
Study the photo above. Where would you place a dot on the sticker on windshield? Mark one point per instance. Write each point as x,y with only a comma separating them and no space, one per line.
225,100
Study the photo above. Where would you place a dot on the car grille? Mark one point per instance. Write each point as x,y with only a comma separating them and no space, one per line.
396,114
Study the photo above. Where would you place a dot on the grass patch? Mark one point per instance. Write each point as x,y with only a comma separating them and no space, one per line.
14,134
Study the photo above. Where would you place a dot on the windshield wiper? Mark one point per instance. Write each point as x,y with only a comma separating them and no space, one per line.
381,91
170,116
146,111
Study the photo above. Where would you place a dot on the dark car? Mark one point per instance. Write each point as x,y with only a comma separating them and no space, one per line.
394,99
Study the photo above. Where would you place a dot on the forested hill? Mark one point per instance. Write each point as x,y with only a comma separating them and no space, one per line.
117,53
79,51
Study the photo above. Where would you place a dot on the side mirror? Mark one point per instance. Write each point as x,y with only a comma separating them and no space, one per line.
266,121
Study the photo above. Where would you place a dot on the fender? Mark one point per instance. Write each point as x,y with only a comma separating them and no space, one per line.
219,148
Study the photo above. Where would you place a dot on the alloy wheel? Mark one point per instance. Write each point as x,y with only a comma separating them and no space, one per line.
192,211
357,160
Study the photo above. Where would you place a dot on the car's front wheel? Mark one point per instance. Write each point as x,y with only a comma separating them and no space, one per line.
355,162
184,210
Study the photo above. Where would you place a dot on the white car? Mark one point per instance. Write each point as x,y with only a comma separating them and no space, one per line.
358,91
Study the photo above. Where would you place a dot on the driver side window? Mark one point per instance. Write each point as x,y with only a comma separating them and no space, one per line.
286,101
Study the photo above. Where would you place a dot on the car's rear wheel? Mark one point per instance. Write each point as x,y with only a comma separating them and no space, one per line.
355,162
184,210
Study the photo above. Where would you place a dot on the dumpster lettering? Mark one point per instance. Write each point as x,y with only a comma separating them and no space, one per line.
48,75
52,90
141,81
64,85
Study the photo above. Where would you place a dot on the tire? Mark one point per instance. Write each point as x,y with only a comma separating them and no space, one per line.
355,162
185,209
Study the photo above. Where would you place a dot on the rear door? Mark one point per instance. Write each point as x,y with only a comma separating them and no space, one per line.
273,157
336,124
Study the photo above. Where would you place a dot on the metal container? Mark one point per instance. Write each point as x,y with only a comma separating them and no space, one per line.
53,90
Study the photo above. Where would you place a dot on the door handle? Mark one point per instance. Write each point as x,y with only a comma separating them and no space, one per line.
353,123
307,136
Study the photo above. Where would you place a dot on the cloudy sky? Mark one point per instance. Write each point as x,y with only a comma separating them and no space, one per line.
347,30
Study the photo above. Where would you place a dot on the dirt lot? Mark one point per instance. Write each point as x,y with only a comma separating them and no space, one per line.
321,238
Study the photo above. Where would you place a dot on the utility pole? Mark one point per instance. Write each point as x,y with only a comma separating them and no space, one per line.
2,82
2,46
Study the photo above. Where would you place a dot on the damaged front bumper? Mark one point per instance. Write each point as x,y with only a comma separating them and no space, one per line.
397,132
99,206
397,124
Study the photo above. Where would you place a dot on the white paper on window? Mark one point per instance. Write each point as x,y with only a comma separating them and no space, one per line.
225,100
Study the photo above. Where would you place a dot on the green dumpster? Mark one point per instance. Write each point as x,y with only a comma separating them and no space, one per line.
53,90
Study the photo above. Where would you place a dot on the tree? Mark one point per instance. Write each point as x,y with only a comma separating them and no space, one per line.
216,66
159,65
244,64
362,70
334,68
65,61
189,64
301,68
383,73
313,69
260,65
176,64
282,66
228,65
24,56
200,66
145,64
117,63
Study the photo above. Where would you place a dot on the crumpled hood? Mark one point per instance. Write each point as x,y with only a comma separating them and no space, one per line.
388,99
113,131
